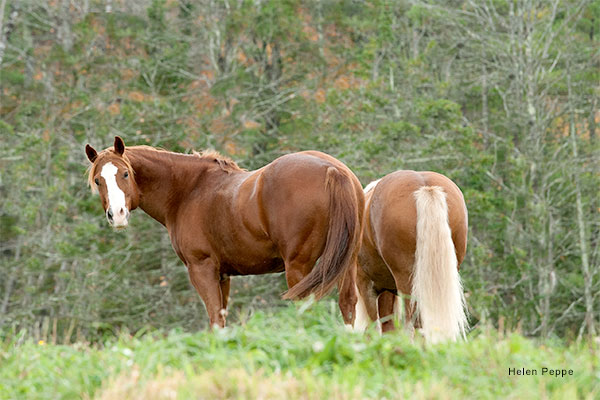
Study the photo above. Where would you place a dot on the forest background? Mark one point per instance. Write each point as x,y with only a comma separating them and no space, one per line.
501,96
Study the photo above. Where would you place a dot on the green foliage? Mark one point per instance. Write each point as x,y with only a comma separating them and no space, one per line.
303,343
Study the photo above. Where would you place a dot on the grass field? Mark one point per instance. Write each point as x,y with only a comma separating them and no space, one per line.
300,352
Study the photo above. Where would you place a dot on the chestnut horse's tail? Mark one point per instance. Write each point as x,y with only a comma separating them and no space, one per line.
436,286
343,239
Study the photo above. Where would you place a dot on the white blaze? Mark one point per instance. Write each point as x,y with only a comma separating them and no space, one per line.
116,197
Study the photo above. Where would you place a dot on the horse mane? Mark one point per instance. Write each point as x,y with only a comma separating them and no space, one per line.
224,162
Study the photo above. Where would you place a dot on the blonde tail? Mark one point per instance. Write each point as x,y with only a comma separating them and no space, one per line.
436,286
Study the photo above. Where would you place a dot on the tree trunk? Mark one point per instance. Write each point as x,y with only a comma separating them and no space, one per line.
589,322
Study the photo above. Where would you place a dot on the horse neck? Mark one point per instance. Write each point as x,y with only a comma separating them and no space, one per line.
163,179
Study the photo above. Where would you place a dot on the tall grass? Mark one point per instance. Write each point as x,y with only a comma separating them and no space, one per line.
299,352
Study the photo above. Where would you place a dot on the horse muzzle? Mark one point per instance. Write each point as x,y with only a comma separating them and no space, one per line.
118,220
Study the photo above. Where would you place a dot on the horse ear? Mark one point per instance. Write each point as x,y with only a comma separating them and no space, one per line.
91,153
119,146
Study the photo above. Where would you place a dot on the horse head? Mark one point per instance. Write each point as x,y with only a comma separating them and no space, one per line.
112,176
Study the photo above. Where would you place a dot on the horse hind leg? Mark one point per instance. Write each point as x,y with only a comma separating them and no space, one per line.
366,304
299,267
387,306
225,284
300,256
412,321
295,271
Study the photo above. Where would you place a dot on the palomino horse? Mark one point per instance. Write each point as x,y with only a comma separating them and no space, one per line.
225,221
414,240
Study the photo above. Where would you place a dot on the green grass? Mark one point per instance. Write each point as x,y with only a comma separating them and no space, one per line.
301,352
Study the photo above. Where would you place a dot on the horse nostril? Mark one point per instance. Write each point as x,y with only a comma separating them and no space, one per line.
109,214
121,212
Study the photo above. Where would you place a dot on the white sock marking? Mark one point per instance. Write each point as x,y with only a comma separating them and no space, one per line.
361,319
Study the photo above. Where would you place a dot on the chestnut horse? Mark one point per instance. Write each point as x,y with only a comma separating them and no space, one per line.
225,221
414,240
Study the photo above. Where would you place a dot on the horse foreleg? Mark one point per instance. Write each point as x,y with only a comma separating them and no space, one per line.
206,280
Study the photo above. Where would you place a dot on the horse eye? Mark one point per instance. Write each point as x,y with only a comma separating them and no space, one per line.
97,181
126,175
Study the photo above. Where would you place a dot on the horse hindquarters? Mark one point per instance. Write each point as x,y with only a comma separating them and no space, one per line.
436,286
343,238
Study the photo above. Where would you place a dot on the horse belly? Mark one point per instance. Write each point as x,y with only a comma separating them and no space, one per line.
265,266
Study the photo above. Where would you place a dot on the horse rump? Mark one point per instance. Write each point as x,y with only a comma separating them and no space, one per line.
343,239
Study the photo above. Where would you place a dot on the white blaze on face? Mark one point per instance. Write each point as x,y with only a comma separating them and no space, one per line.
116,197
